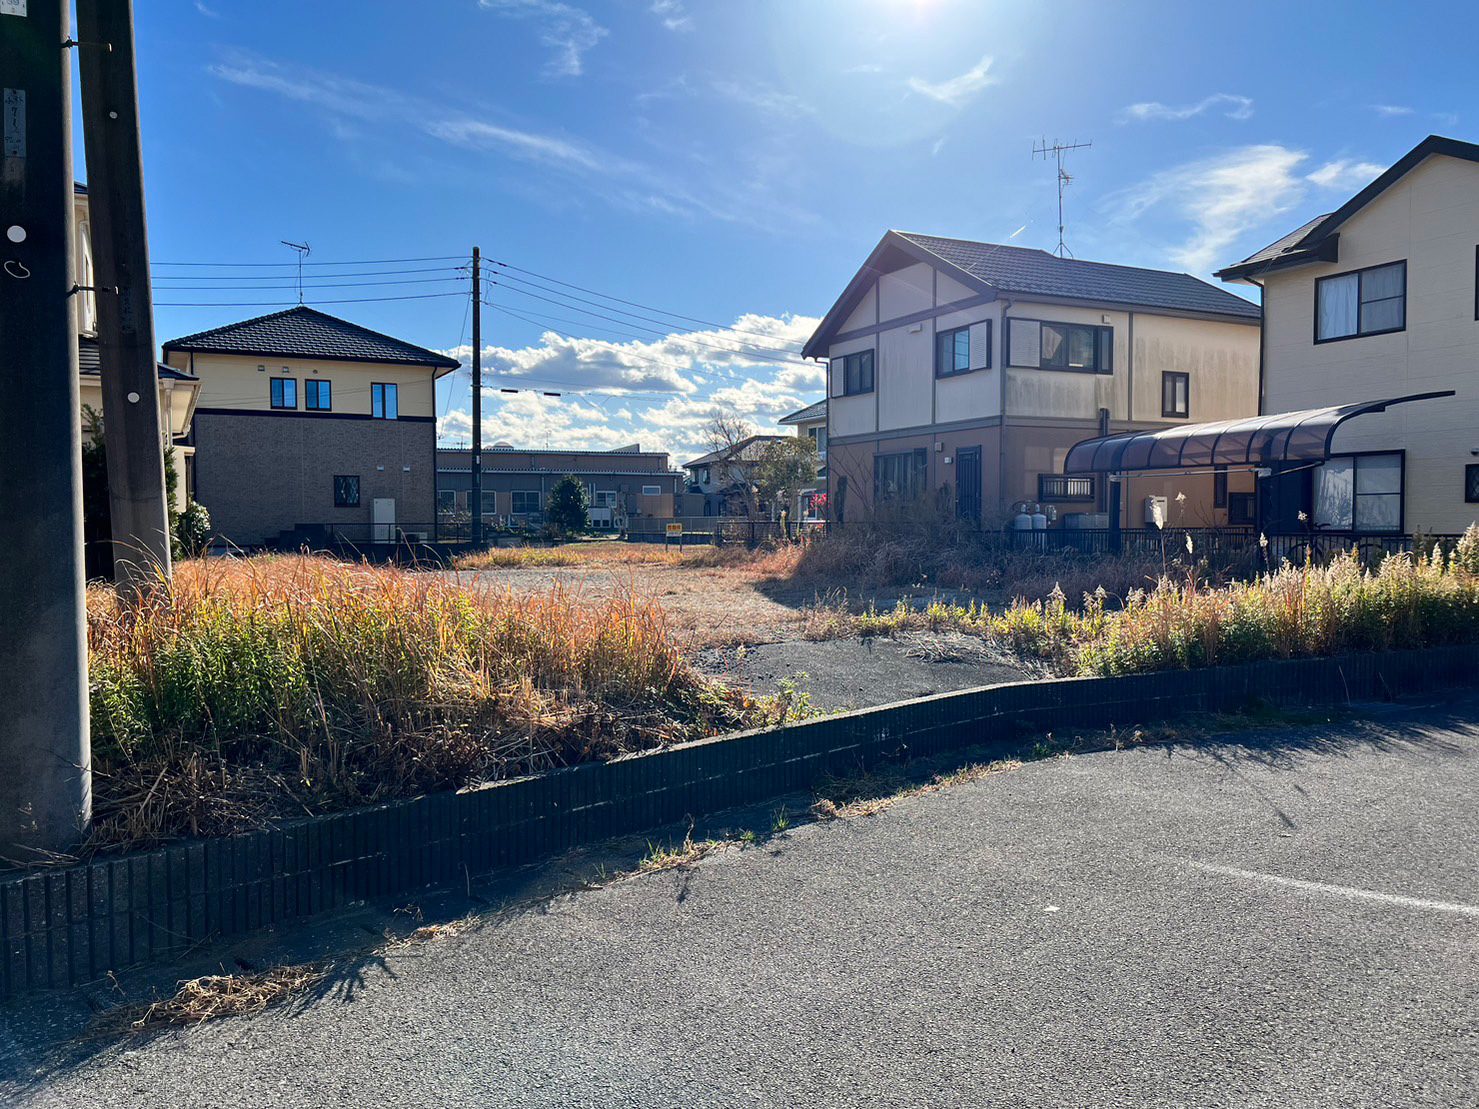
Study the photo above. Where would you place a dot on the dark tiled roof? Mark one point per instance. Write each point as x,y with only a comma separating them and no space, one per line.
89,361
304,332
1028,271
1275,250
806,415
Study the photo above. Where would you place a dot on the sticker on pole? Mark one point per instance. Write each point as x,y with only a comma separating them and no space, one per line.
675,531
12,7
14,110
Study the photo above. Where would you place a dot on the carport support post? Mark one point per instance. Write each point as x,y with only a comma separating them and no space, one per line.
128,366
46,787
1116,526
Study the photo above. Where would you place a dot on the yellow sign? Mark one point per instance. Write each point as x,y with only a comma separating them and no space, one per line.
675,530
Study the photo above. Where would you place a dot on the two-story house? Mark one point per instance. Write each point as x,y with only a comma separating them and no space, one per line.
1379,300
724,478
967,370
625,485
309,423
811,423
177,389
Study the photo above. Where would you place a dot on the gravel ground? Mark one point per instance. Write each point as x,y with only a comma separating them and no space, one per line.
1286,919
854,673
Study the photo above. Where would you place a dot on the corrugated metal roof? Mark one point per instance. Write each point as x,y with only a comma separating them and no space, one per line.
304,332
1029,271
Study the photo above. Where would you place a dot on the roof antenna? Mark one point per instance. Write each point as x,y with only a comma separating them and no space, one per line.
304,250
1058,149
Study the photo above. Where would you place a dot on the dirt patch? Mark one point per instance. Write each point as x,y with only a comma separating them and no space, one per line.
858,673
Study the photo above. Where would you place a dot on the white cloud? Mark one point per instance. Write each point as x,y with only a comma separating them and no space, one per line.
764,98
1233,105
568,31
1345,175
523,144
1391,111
956,89
661,393
206,11
1221,198
671,12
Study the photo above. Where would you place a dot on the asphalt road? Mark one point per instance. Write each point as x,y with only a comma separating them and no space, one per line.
1289,919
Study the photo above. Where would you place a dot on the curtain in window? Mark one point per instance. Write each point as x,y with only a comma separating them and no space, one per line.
1382,299
1336,310
1054,346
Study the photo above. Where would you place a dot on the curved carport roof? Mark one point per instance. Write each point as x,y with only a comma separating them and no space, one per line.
1255,441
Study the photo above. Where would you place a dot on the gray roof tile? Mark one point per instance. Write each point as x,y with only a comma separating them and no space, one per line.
1029,271
304,332
811,412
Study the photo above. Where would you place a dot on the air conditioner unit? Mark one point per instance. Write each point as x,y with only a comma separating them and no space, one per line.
416,537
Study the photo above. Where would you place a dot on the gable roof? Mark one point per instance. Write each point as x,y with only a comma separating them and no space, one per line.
806,415
741,449
993,269
304,332
1318,240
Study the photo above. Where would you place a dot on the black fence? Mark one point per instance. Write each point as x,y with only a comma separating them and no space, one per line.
1223,544
71,925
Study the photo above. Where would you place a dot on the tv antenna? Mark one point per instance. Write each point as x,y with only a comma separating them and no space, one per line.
1057,150
304,250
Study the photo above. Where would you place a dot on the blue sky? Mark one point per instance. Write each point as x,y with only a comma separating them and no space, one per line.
731,163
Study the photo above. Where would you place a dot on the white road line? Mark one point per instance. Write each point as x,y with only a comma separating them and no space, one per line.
1349,892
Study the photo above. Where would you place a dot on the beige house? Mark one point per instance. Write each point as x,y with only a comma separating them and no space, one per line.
625,485
311,428
177,389
811,423
1379,300
967,370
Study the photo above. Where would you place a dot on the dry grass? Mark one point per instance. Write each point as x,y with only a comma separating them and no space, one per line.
679,856
871,794
769,560
253,689
214,997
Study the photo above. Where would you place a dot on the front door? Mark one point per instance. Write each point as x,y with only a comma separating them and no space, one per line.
968,484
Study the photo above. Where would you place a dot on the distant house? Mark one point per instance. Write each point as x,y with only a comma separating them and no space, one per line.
1377,301
721,476
626,484
177,389
309,426
811,423
967,370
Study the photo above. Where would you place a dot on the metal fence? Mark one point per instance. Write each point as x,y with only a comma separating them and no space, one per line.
1224,544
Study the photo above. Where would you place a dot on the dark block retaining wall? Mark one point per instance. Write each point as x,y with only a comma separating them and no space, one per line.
72,925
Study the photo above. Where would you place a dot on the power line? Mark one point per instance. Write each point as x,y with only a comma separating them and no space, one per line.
280,303
636,304
309,288
313,277
293,265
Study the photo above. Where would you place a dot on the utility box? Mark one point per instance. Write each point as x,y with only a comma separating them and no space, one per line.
1086,521
382,520
1155,511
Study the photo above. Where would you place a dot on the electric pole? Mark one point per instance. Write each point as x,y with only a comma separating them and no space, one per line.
477,397
1058,149
125,305
46,787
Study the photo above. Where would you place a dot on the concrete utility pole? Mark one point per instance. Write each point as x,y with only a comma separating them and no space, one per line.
45,762
125,304
477,397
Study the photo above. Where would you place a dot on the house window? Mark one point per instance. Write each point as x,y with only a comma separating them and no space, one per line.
1360,492
1366,302
1058,487
384,404
446,500
525,501
1471,484
284,392
899,477
490,502
1219,487
1176,395
1241,508
818,435
953,351
317,395
857,373
652,490
346,490
1076,348
604,498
